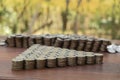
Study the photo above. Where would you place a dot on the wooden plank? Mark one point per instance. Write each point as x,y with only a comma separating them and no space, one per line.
110,70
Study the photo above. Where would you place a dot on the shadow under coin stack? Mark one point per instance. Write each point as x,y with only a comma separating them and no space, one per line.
39,57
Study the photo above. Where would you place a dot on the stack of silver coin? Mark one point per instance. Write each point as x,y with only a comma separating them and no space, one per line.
71,59
74,43
66,43
47,40
51,62
61,58
31,40
89,44
58,42
81,44
39,39
40,63
103,47
17,64
39,57
29,63
90,58
96,45
11,41
98,58
19,41
25,41
81,59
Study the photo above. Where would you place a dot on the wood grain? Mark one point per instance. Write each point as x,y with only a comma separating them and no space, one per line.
109,70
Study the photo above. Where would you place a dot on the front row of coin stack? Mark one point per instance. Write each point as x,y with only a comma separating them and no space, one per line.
39,57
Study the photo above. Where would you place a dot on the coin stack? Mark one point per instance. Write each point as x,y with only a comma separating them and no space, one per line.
61,59
96,45
51,62
103,47
19,41
88,45
81,59
99,58
74,43
40,63
25,41
29,63
66,43
90,59
31,40
81,44
10,41
39,57
47,40
71,59
58,42
39,39
17,64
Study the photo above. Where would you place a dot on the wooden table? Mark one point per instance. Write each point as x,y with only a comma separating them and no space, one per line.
110,70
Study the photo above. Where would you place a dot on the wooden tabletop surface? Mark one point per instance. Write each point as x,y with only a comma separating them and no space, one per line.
109,70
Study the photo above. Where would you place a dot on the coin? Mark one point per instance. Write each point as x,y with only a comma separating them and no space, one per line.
98,58
31,40
51,62
25,41
17,64
29,63
74,43
81,59
71,61
39,39
10,41
58,42
90,59
19,41
61,61
40,63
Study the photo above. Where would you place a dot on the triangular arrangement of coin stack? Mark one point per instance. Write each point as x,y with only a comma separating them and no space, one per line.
39,57
48,51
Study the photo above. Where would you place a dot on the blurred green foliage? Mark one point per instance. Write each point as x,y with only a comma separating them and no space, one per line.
100,18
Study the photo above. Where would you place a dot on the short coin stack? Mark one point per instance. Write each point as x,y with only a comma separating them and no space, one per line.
39,57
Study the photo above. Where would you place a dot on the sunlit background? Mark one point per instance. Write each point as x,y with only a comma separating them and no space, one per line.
99,18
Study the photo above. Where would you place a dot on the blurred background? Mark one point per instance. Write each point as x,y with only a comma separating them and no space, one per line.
99,18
